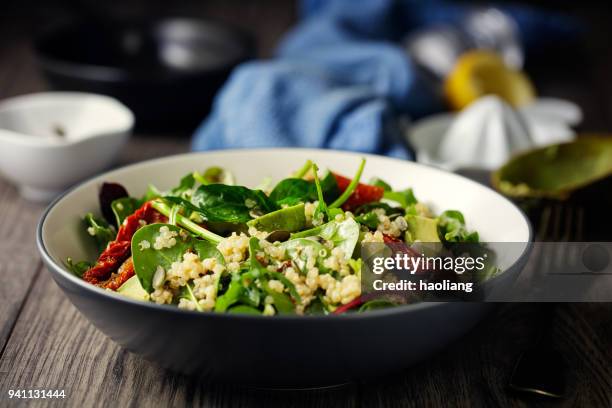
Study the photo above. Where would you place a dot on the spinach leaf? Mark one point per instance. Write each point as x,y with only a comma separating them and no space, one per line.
343,234
124,207
329,186
231,295
404,198
78,268
451,228
100,230
292,191
295,250
147,259
187,293
236,204
282,302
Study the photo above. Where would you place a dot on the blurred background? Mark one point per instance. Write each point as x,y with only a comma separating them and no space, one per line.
577,71
465,86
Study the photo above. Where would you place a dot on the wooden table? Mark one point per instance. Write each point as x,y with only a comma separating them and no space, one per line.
46,343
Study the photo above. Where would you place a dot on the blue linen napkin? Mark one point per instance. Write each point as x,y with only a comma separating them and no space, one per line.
340,79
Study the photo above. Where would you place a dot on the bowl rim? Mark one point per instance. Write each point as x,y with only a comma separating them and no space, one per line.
99,292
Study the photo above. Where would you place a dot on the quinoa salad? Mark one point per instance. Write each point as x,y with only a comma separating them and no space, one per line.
211,245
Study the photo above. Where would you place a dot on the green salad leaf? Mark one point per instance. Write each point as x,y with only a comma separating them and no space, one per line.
292,191
147,259
286,219
451,228
100,230
77,268
404,197
187,293
236,204
375,181
123,208
344,235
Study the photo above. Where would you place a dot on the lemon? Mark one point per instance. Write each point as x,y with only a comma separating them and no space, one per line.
478,73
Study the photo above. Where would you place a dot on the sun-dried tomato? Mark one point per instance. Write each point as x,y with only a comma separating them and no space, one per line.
118,250
363,194
125,272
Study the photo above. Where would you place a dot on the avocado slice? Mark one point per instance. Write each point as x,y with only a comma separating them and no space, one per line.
133,289
286,219
422,229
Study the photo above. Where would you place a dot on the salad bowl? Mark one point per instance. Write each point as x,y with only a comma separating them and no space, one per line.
278,351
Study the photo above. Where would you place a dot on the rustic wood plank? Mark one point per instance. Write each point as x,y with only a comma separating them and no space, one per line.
20,260
53,346
18,255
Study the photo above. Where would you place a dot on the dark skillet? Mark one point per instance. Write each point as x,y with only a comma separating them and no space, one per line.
167,70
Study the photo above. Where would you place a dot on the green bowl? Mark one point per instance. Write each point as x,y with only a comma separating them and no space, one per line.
557,171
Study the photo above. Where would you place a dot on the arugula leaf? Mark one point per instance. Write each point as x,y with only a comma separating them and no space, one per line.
236,204
147,259
100,230
78,268
451,228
